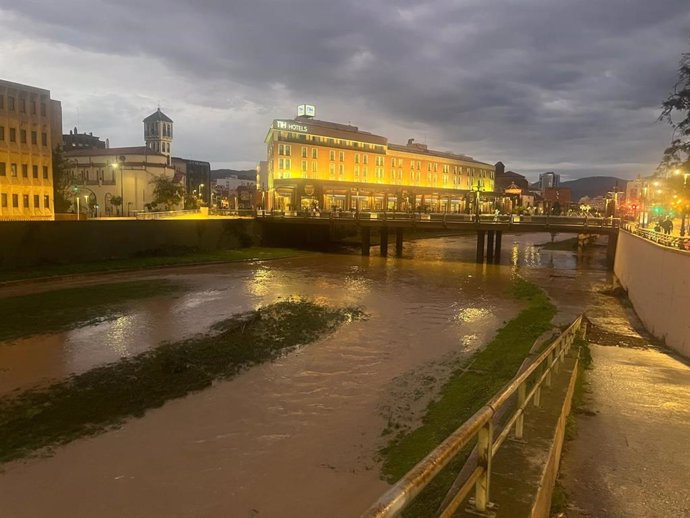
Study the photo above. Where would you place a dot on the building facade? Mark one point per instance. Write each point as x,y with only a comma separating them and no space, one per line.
29,119
116,181
549,180
313,163
75,140
197,177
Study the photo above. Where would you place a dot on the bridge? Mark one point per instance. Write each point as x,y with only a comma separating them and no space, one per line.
488,227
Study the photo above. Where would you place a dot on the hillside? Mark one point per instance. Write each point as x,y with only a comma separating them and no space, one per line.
594,186
591,186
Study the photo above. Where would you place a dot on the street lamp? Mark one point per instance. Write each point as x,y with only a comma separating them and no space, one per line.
476,207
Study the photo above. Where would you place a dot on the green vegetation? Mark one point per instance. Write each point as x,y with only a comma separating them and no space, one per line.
104,397
69,308
467,391
139,263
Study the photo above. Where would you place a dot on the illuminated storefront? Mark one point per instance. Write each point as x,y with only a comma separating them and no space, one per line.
315,164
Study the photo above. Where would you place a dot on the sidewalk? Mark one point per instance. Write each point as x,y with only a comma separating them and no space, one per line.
630,456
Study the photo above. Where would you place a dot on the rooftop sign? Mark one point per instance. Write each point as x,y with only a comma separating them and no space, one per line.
291,126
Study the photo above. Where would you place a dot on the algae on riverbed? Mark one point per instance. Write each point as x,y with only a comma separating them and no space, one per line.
464,393
103,397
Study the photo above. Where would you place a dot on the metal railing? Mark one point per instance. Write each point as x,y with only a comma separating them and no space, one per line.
445,217
165,214
671,241
527,387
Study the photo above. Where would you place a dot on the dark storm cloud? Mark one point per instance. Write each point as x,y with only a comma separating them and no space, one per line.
540,84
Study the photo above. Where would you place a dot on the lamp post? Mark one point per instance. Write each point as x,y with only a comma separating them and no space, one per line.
476,202
683,201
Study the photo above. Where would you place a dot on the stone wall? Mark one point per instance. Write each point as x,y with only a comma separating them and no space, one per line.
657,280
36,243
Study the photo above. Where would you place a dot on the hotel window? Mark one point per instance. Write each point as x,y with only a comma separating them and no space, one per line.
331,155
366,159
33,106
15,201
3,172
331,170
34,138
356,158
43,109
45,172
314,153
314,166
37,204
44,139
2,133
46,201
341,156
281,164
25,170
428,166
446,168
304,166
25,200
4,200
445,179
341,169
435,167
10,104
341,142
22,105
13,135
364,171
22,136
13,170
331,141
34,171
356,171
400,174
2,102
304,152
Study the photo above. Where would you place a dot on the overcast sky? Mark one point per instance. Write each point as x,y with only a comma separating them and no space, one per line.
572,86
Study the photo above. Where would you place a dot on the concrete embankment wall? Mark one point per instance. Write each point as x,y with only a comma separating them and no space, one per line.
657,280
26,244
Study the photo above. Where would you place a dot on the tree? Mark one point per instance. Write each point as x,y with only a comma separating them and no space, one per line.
676,111
116,201
61,181
166,193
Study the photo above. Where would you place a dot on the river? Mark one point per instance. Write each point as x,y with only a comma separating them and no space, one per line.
298,436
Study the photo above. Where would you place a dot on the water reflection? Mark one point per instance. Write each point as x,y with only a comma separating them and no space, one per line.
438,288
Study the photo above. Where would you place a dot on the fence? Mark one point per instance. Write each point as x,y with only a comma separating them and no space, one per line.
680,243
527,386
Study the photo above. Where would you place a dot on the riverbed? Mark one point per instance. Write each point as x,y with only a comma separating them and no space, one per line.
296,437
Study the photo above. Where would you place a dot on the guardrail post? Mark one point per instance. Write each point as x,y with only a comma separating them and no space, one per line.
549,361
520,421
484,446
537,396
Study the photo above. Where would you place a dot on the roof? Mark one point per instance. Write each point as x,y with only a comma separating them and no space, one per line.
331,129
114,151
423,150
158,115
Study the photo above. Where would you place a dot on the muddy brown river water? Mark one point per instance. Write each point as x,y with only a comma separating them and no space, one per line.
297,437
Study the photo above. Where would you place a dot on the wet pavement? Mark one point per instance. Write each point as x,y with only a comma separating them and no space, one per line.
630,457
296,437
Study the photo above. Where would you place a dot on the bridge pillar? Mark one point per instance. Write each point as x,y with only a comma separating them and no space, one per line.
398,242
611,249
490,246
384,241
480,245
366,240
497,250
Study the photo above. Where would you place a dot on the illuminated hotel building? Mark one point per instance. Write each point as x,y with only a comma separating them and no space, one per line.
337,166
30,127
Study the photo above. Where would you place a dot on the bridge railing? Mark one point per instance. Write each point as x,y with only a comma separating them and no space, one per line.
446,217
165,214
671,241
527,387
